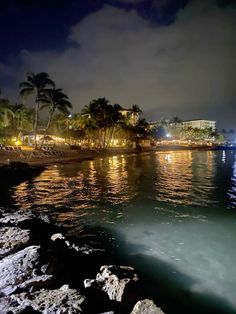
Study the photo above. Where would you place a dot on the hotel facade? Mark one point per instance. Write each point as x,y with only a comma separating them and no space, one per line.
199,124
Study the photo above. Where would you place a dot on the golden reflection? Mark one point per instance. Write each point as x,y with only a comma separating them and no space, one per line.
117,178
102,189
66,216
179,182
171,183
94,189
41,190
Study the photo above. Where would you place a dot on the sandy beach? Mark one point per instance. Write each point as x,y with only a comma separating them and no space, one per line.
33,157
38,158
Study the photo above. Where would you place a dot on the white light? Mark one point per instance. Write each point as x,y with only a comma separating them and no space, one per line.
168,135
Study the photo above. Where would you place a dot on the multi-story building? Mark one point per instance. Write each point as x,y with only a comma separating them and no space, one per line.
195,123
199,124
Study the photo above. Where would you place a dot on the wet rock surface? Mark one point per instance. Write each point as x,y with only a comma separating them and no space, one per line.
12,239
21,270
119,282
44,270
146,307
62,300
15,218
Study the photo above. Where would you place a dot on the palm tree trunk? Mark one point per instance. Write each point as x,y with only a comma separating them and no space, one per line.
104,139
36,122
100,137
47,126
21,123
111,136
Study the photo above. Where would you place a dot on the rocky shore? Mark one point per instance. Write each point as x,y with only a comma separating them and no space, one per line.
44,270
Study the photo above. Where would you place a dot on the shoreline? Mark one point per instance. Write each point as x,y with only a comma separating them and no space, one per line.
68,156
81,155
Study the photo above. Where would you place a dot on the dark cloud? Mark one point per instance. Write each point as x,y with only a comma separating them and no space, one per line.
41,24
162,12
159,12
185,69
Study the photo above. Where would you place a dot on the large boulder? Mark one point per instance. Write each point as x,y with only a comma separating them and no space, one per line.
12,239
146,307
22,269
63,300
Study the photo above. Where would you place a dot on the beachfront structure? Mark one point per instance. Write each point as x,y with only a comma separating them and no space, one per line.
195,124
133,116
40,136
199,124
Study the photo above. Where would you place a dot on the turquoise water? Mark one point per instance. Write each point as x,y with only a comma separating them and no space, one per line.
171,214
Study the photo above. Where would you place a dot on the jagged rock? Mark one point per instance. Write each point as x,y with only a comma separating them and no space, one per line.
146,307
63,300
15,218
5,304
84,249
116,281
12,239
21,270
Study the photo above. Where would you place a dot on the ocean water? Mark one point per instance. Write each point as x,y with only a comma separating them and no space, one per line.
170,214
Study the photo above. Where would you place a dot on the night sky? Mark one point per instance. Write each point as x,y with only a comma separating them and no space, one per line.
171,57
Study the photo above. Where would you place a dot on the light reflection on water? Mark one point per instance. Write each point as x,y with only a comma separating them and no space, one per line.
180,181
106,188
232,190
176,207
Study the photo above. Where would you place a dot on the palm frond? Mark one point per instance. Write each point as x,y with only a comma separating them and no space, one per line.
25,92
26,85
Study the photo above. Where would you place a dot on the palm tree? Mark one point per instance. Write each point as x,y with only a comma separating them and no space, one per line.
136,111
141,128
103,118
22,116
99,111
36,85
55,99
6,113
